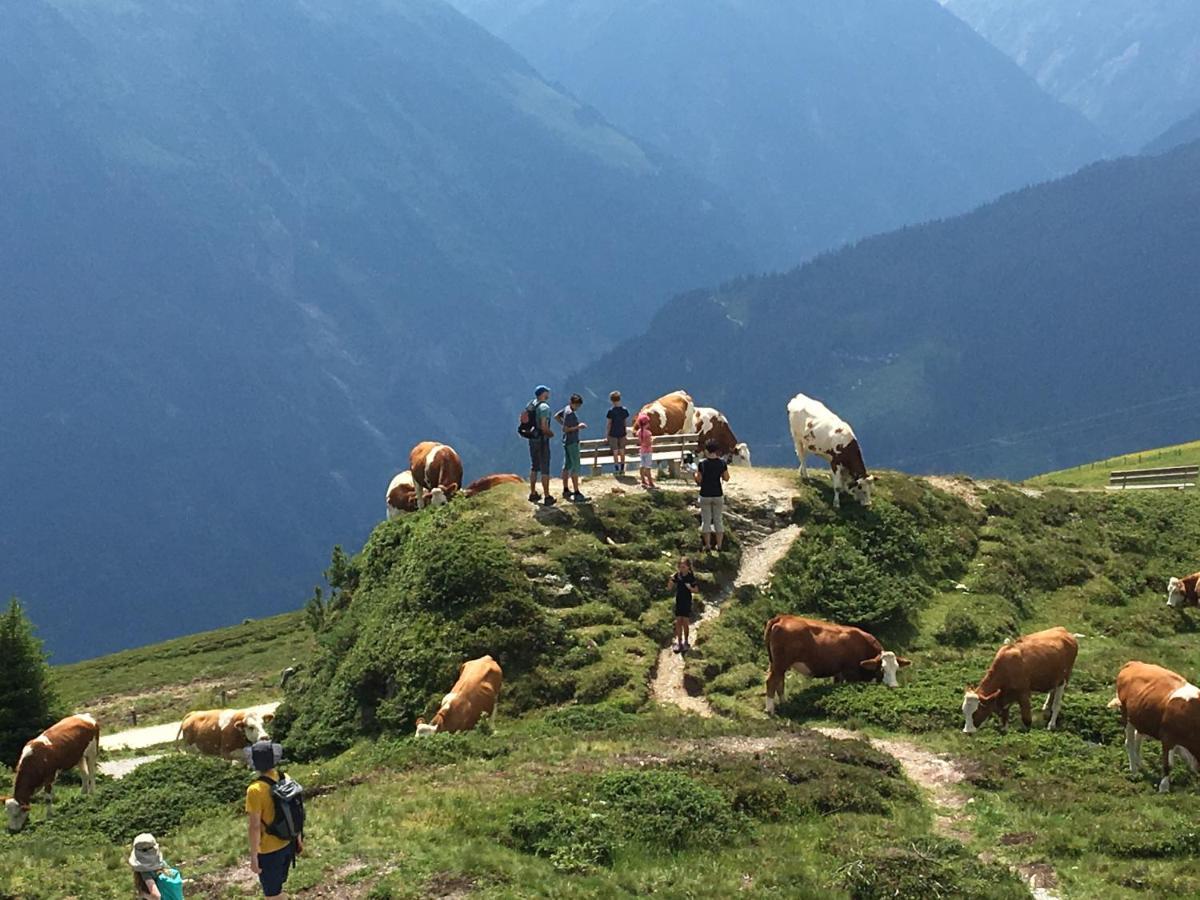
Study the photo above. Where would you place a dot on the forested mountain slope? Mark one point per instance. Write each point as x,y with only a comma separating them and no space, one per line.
1130,66
1182,132
1041,330
251,253
825,121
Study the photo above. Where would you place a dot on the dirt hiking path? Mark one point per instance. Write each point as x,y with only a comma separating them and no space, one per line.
757,502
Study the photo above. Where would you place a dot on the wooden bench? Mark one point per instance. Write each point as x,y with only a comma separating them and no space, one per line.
671,449
1147,479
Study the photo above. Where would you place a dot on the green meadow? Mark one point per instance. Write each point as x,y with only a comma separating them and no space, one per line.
585,786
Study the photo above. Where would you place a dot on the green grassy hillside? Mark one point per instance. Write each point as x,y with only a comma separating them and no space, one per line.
588,787
1095,474
164,681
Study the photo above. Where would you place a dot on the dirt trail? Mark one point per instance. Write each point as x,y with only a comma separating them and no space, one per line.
153,735
768,496
119,768
941,776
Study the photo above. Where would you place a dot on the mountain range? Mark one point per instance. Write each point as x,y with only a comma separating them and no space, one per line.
823,121
1047,328
1131,66
252,253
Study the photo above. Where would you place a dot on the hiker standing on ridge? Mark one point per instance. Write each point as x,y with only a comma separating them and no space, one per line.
617,432
568,418
711,471
535,426
271,854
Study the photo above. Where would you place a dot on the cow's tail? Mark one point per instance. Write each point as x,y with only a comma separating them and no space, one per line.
179,733
767,638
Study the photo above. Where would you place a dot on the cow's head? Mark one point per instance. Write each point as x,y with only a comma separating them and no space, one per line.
440,495
977,707
741,455
18,814
424,730
860,489
1176,593
254,726
886,664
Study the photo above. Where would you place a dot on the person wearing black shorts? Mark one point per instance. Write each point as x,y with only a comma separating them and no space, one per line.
685,584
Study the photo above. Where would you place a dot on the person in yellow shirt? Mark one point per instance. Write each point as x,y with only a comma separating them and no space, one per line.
271,857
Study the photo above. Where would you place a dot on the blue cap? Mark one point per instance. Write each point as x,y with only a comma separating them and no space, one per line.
541,389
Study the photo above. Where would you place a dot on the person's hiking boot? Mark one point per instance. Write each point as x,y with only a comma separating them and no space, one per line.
579,498
550,501
535,497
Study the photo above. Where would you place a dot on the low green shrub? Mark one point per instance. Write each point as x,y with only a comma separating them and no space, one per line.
1102,592
574,836
979,618
157,797
668,810
577,719
593,613
929,867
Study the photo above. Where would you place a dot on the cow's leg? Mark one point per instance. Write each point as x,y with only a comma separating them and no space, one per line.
87,767
50,798
1058,699
836,480
1049,700
803,464
1133,748
1026,710
1164,786
774,688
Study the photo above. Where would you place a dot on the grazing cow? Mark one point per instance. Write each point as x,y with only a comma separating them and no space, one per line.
223,732
672,414
1182,591
816,429
473,695
1161,704
402,495
487,482
437,470
1041,661
711,425
73,741
824,650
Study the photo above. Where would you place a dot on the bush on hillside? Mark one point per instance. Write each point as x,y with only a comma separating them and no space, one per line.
979,618
927,867
432,591
157,797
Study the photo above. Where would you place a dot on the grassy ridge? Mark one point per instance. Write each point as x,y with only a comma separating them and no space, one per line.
164,681
1095,474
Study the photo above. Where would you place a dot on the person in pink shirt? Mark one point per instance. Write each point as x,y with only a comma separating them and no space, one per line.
645,439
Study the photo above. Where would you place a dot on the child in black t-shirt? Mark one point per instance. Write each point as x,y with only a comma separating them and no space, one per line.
685,584
618,416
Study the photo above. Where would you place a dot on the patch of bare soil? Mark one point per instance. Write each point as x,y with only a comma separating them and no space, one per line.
217,884
448,886
963,488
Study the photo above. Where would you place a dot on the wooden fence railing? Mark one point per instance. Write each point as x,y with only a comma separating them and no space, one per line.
1146,479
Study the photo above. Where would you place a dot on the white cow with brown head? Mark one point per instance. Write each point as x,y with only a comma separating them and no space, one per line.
817,429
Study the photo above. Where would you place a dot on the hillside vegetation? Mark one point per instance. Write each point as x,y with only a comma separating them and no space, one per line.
586,786
1095,474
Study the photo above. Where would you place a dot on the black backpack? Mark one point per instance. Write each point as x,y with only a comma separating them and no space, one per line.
527,427
288,796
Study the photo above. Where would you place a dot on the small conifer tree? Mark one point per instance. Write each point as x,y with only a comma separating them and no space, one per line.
27,701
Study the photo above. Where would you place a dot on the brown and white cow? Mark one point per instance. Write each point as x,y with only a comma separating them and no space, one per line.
824,650
437,471
70,742
1158,703
402,495
711,425
223,732
487,482
473,695
816,429
1183,591
1037,662
674,413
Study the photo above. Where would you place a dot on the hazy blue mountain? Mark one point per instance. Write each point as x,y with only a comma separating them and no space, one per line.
251,252
1130,66
1045,329
1177,135
825,120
